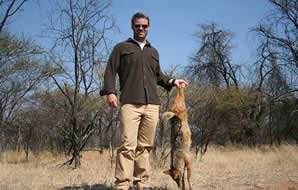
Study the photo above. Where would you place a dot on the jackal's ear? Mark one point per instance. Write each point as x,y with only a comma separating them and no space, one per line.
176,173
167,172
166,116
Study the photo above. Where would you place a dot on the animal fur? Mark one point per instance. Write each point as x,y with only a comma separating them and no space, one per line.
180,140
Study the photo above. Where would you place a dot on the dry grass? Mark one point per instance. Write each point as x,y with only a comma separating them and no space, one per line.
221,168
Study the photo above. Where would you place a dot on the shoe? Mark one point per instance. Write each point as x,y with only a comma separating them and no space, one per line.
122,188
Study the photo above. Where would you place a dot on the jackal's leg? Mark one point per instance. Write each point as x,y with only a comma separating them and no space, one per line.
187,161
188,167
180,186
183,179
166,116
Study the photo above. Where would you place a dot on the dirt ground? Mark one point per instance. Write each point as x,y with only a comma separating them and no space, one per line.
266,168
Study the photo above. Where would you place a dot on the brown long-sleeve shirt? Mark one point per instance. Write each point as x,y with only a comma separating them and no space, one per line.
139,73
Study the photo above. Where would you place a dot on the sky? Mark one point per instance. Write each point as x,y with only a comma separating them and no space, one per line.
173,24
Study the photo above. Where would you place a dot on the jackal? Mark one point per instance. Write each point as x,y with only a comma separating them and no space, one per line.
180,140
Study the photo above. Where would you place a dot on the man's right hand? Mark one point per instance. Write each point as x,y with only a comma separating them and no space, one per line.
112,100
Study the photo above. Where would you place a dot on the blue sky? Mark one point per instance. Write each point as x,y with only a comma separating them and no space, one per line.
173,23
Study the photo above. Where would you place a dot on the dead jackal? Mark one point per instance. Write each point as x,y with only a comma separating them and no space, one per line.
180,140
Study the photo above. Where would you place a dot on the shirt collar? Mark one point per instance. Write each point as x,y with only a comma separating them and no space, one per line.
134,41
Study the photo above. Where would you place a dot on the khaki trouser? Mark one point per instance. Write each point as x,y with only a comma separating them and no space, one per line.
137,128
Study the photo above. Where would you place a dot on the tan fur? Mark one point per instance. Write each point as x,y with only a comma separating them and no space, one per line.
180,156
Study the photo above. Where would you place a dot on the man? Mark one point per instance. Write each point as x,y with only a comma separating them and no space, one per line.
136,62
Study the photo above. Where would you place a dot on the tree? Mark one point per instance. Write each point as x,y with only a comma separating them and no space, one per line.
276,67
80,32
280,30
8,8
21,71
212,60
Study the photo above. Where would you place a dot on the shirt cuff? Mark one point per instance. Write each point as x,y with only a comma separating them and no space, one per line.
104,92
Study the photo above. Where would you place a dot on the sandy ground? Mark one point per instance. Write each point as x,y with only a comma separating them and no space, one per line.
268,168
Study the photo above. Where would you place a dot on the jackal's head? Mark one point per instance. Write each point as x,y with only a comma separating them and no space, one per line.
175,174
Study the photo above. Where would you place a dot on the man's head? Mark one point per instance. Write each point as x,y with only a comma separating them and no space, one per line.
140,24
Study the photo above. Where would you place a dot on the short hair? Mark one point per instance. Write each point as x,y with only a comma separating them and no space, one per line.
139,15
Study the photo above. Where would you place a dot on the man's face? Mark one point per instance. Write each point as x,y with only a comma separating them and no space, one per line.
140,29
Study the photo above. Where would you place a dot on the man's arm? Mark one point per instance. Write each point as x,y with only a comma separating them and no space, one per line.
109,78
166,81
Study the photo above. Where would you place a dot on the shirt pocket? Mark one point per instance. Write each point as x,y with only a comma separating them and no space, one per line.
128,57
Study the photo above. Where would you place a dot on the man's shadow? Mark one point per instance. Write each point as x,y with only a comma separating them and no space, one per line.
88,187
102,187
